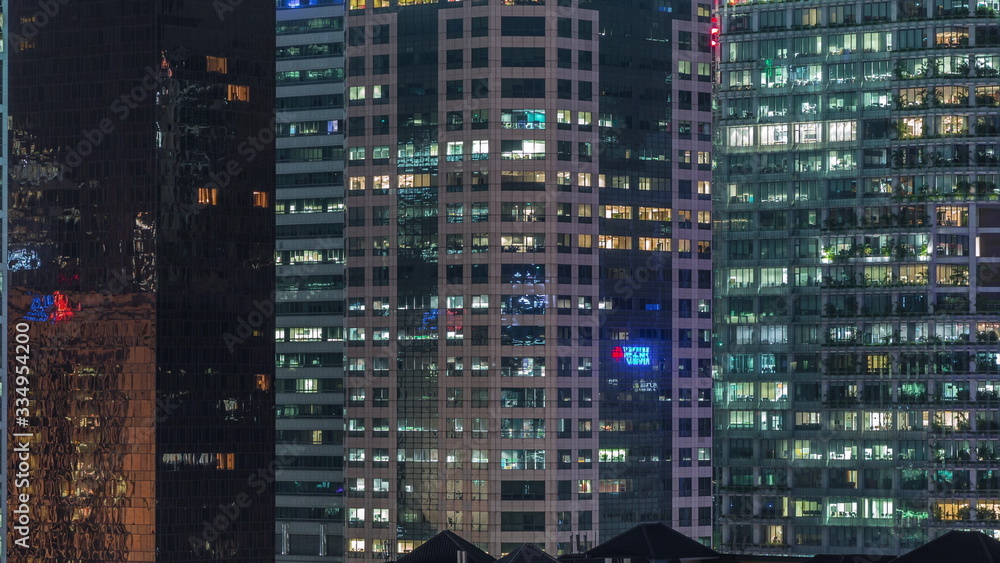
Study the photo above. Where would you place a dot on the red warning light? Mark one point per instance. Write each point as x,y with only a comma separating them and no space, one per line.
713,32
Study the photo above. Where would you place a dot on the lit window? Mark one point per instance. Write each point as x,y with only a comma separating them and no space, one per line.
208,196
774,135
263,381
238,93
616,211
838,131
225,461
356,93
217,64
741,136
260,199
611,242
654,214
356,183
658,244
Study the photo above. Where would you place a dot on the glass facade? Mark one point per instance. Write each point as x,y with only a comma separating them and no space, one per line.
654,242
857,200
310,255
139,282
521,318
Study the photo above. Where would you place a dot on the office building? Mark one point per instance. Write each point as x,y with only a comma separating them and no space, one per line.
525,333
857,200
310,283
140,243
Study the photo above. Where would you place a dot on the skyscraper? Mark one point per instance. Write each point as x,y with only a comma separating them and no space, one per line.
856,193
522,313
310,299
140,247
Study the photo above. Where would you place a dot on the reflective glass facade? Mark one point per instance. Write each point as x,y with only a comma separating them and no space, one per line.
516,337
310,280
857,296
140,281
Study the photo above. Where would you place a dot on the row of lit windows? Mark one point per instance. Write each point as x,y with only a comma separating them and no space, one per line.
848,188
811,104
844,14
210,196
768,135
583,179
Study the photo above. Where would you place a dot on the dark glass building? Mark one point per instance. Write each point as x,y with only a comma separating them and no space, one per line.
140,171
527,212
857,192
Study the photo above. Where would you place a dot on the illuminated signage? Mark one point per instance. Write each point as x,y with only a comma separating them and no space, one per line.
23,259
631,355
53,308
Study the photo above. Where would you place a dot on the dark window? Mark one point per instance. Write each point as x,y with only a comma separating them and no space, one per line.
585,60
684,487
704,279
356,277
480,88
564,89
454,273
564,58
517,26
480,57
480,26
523,88
356,36
455,59
525,56
380,64
684,427
380,34
480,273
684,516
684,309
380,275
704,427
564,27
454,29
586,29
704,101
684,278
356,126
564,273
684,40
455,89
585,90
356,66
